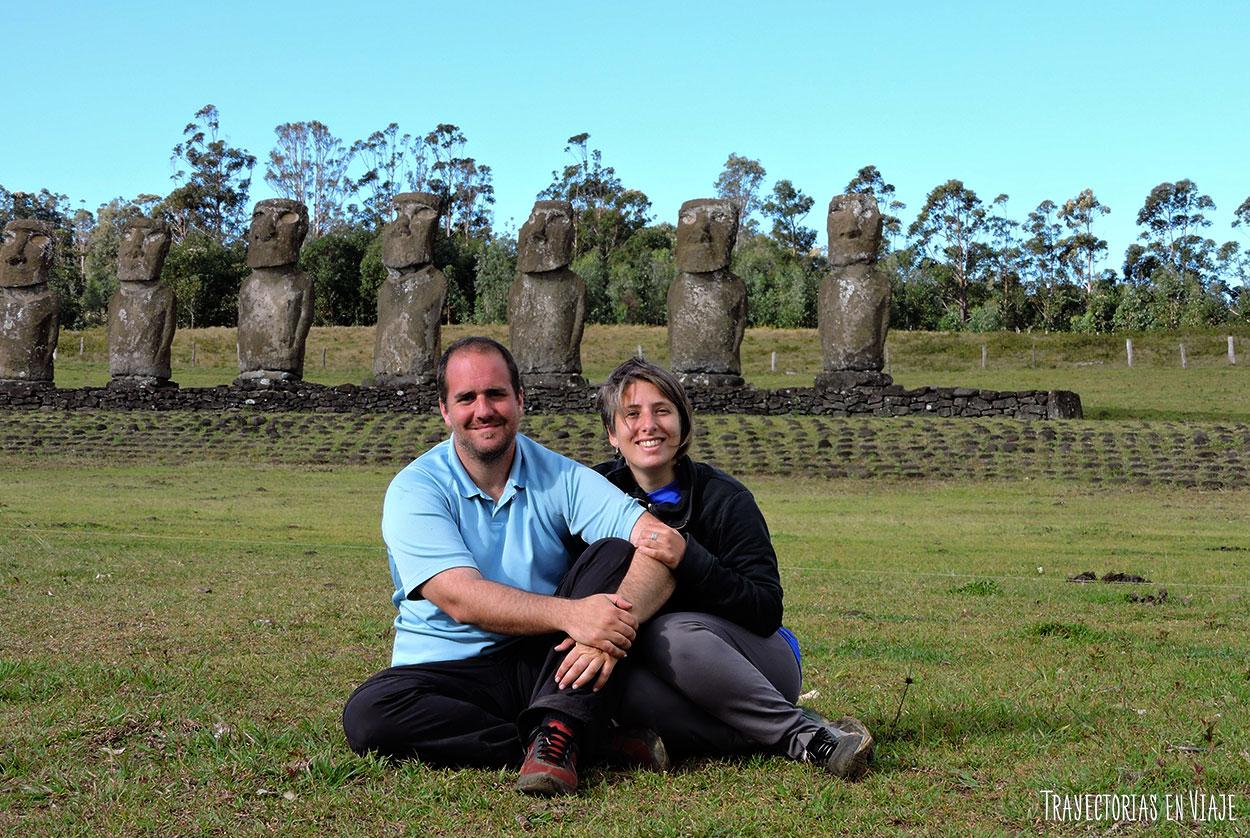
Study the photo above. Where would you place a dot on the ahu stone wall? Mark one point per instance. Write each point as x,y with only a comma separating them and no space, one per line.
892,400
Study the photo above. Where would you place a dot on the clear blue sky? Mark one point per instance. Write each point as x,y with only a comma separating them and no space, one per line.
1038,103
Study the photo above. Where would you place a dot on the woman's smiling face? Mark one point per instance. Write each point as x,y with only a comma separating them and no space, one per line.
647,432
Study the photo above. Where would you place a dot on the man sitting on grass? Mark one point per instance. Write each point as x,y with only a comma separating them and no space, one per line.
491,604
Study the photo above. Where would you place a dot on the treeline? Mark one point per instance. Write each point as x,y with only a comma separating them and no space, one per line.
963,263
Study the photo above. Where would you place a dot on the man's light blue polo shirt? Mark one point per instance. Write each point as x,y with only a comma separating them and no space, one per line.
435,517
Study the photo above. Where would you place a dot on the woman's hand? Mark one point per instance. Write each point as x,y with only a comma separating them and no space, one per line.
582,664
660,542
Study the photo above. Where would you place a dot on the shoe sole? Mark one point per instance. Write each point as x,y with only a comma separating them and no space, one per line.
649,755
863,754
542,784
657,758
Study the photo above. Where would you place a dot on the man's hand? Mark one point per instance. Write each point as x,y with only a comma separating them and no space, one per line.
602,622
660,542
581,665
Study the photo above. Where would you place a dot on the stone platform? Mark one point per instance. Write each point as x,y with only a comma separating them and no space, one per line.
892,400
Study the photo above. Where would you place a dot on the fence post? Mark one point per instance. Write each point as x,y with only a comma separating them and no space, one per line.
772,363
1232,353
80,344
323,357
639,354
1184,360
983,355
192,351
1128,350
1034,362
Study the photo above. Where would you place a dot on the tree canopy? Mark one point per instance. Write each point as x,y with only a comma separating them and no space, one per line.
963,263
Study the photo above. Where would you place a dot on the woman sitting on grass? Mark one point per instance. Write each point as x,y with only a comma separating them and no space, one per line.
715,672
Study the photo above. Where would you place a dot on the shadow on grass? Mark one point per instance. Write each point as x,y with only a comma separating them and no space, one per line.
966,722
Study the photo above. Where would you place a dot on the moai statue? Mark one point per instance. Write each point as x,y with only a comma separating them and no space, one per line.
30,312
276,299
142,311
707,305
547,301
410,299
853,306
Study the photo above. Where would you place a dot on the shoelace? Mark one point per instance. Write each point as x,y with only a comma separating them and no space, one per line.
555,744
821,746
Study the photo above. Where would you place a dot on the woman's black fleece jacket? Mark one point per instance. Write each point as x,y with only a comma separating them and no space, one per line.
729,568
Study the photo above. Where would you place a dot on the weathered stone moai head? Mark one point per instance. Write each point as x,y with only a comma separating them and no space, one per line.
854,230
853,302
408,241
278,229
706,230
26,253
545,242
144,245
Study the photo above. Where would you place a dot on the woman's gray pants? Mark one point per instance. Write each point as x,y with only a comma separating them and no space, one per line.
710,686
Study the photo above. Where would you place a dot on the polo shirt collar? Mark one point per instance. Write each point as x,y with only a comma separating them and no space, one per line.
468,489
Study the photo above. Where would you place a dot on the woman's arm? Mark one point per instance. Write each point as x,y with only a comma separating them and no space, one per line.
735,574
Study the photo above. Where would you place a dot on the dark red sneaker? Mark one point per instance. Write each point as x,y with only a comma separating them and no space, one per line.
634,748
550,765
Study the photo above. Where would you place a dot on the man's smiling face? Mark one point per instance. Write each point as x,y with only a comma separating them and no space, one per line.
481,409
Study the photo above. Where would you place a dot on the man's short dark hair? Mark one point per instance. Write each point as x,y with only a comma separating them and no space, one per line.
477,343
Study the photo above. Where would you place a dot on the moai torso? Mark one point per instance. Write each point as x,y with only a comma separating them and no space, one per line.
707,304
276,299
29,309
142,312
547,301
853,303
410,299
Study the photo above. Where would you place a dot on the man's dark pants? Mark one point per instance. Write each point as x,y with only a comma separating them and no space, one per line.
475,712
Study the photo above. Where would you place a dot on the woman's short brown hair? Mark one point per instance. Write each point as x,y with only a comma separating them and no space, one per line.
608,399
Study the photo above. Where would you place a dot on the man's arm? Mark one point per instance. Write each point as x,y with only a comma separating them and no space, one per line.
596,509
649,582
602,621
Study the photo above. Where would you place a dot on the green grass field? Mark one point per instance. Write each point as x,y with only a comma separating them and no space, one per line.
177,662
188,599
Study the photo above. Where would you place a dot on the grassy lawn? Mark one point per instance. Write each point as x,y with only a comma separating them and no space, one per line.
177,641
187,599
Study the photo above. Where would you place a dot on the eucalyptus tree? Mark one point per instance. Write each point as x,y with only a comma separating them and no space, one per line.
1045,264
213,183
392,162
1006,258
787,206
309,164
1172,215
740,182
493,275
606,213
1241,215
1237,260
1082,246
951,224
